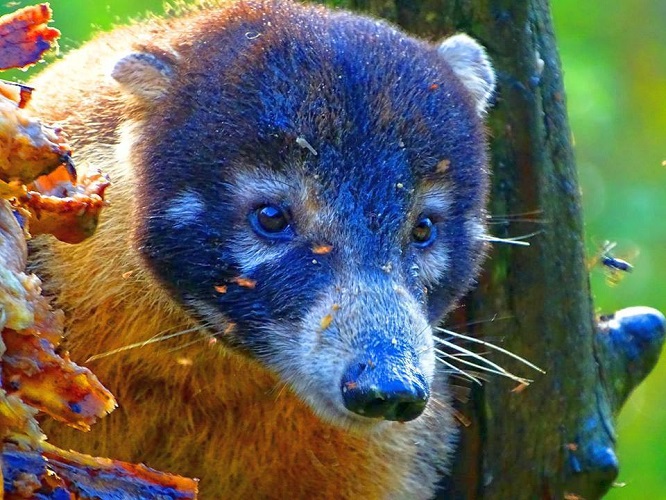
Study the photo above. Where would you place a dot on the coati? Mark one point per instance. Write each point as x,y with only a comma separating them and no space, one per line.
298,197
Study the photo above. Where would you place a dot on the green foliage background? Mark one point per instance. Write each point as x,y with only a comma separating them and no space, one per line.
614,58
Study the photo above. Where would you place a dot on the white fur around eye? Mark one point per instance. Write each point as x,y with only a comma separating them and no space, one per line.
185,209
250,252
433,260
250,188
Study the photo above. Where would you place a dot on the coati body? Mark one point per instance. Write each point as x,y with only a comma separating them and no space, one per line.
303,191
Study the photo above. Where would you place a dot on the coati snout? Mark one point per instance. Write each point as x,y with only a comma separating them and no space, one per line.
382,393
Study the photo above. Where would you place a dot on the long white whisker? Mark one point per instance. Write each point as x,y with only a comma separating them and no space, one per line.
152,340
492,239
458,370
489,345
501,372
465,355
471,354
497,222
516,240
483,321
515,214
187,344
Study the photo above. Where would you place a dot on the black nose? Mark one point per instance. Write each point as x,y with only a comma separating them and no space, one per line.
376,391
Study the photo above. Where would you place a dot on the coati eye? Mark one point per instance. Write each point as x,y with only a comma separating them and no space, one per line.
271,221
424,232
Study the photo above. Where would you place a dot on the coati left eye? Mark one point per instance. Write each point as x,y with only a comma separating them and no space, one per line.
271,221
424,232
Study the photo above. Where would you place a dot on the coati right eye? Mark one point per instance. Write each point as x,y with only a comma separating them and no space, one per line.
271,221
424,232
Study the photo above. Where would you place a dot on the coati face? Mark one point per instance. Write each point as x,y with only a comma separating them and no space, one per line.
313,191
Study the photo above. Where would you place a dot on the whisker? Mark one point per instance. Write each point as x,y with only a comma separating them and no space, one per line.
483,321
470,353
459,371
515,240
283,388
466,355
152,340
187,344
516,220
515,214
493,239
501,371
486,344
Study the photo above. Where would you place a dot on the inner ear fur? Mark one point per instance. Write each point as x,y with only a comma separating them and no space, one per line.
146,74
471,64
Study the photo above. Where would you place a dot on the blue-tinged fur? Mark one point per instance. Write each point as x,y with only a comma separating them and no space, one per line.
379,108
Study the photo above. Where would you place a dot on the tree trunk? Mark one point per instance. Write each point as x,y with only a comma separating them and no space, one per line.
554,439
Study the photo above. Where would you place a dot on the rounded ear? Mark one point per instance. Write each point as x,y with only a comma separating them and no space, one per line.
145,75
471,64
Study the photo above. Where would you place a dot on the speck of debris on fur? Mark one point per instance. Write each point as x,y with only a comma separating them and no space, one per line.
443,166
302,142
322,249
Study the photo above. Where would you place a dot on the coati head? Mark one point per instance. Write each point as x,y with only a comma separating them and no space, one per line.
313,187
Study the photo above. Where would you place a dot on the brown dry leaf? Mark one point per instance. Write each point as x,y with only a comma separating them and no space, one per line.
16,92
34,376
18,421
15,309
25,36
28,148
30,332
53,472
70,212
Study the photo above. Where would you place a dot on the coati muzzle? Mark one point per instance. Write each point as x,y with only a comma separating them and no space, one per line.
385,386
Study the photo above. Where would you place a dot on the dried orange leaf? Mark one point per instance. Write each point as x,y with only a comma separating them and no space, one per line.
50,383
16,92
53,472
30,332
25,36
28,148
67,211
15,308
18,419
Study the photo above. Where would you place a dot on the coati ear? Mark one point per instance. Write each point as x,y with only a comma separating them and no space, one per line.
471,64
145,75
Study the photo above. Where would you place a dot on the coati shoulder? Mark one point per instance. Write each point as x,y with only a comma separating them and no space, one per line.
298,197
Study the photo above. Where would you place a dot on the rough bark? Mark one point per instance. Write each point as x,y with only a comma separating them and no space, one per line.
554,439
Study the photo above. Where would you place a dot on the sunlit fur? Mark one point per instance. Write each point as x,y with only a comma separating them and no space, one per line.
194,136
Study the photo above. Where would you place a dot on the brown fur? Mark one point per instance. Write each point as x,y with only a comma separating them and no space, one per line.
195,410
